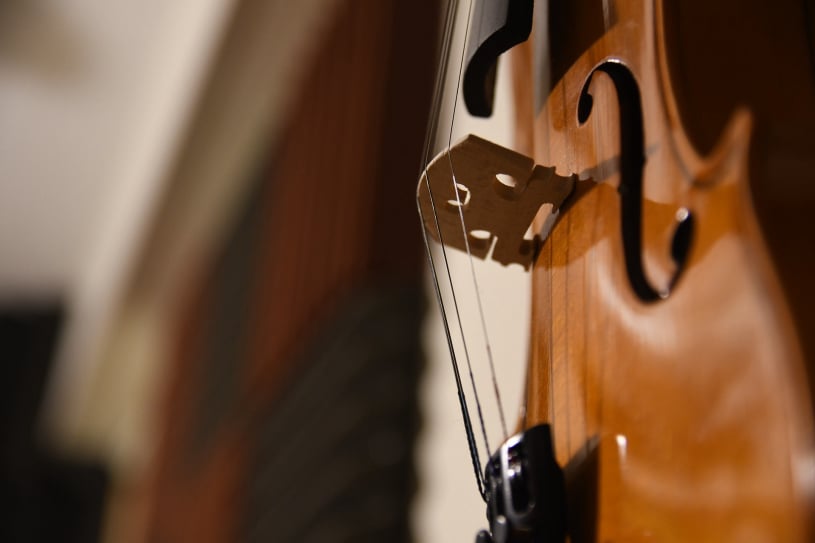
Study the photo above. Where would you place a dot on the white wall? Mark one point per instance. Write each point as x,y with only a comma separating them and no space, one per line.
93,96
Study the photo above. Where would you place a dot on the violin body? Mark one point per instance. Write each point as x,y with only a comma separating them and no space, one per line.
672,330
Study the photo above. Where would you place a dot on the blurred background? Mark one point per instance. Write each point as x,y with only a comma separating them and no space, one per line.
214,324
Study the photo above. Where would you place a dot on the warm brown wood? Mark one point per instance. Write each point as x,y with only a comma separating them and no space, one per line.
682,409
497,211
689,418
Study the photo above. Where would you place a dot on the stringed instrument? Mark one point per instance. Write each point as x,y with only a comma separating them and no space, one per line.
658,193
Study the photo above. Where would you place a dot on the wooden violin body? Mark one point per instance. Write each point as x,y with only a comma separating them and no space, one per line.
672,310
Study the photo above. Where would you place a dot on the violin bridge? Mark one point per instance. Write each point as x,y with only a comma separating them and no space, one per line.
490,194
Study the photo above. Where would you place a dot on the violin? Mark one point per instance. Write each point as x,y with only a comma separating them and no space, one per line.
658,195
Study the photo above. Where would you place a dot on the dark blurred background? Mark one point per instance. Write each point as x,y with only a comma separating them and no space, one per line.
210,268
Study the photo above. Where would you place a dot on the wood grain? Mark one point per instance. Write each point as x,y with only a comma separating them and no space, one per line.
693,412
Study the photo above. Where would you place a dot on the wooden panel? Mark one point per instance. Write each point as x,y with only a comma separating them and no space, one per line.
326,220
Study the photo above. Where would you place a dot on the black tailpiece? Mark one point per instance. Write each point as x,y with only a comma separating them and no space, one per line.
526,500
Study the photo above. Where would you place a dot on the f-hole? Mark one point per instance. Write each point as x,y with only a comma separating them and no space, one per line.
632,162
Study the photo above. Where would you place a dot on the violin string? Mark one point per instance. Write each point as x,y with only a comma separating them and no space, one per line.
462,400
429,139
479,304
464,230
460,207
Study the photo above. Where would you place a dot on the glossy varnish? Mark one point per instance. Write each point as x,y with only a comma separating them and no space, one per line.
687,418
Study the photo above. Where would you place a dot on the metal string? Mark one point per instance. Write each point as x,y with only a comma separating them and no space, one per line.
462,400
430,137
463,229
429,141
473,275
460,207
